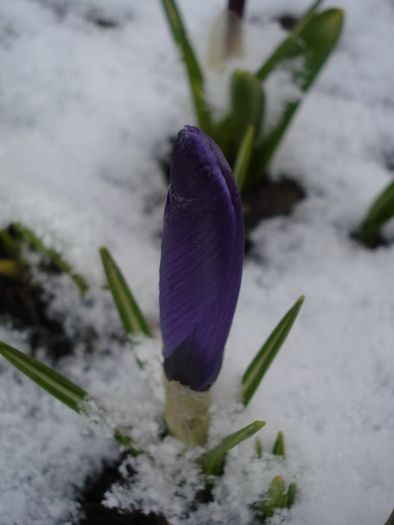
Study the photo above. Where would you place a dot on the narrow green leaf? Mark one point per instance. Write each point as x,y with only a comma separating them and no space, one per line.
9,244
123,439
279,447
188,56
57,385
259,447
281,52
276,498
390,520
243,158
130,315
291,493
380,212
213,461
247,109
302,62
31,238
260,364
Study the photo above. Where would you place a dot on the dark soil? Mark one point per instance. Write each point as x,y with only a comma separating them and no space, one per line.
24,305
270,199
96,514
288,21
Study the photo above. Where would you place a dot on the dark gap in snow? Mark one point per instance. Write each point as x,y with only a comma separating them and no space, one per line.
23,303
95,513
288,21
378,243
103,23
272,198
164,158
389,160
60,8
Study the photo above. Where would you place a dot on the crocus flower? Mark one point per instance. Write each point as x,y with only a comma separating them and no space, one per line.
201,260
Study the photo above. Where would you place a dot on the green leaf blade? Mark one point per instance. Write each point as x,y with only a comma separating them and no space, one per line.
243,158
276,498
282,51
54,383
188,56
260,364
59,387
302,59
381,211
132,319
247,109
212,461
57,260
279,447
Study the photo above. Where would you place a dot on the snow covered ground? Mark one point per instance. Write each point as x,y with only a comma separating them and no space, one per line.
86,112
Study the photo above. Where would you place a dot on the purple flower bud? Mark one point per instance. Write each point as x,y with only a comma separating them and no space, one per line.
201,260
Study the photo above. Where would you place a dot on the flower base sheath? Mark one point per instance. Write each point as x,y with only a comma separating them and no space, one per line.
201,260
186,413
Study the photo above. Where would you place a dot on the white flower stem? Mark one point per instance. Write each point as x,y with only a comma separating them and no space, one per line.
186,413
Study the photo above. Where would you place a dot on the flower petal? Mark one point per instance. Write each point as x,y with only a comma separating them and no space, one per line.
197,242
202,255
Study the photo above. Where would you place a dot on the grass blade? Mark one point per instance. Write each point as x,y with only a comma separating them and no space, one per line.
243,158
132,319
260,364
188,56
381,211
34,241
213,461
57,385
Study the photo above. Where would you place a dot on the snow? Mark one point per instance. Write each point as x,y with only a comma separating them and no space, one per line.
86,112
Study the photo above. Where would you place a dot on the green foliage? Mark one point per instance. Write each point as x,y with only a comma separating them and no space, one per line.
381,211
279,447
243,158
247,109
277,498
194,72
213,461
259,447
390,520
57,385
30,237
299,59
260,364
302,60
132,319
